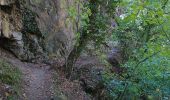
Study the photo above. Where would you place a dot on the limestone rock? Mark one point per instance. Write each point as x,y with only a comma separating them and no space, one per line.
30,28
6,29
17,36
6,2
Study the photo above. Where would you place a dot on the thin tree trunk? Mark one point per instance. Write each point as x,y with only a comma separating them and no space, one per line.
74,55
82,42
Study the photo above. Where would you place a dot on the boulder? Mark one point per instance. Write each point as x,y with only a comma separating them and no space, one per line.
91,80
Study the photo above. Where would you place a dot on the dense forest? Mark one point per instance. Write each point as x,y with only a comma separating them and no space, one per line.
84,50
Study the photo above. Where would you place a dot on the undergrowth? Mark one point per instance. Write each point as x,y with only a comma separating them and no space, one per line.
10,75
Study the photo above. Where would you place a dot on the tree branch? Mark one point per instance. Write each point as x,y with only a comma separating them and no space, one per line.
146,59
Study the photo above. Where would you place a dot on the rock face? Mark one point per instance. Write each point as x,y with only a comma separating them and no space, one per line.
89,71
91,80
6,2
32,28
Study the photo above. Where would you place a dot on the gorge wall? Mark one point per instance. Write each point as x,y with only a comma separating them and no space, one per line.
35,29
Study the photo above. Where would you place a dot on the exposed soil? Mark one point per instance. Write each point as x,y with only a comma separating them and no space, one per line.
37,79
40,82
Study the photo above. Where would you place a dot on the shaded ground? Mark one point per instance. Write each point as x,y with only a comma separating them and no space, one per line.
37,79
40,82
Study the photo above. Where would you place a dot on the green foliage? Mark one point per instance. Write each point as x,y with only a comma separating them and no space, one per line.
149,78
94,25
79,15
29,22
92,21
143,35
10,75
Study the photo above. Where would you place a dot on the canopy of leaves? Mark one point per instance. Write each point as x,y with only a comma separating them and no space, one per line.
143,33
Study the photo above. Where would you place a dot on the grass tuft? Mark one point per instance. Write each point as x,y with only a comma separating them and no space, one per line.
10,75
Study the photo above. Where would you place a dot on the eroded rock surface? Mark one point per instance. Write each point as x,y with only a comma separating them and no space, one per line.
31,29
6,2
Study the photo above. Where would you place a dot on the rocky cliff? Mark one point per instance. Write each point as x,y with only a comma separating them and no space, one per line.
33,29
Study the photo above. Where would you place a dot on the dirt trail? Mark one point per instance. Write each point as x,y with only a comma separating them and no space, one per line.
38,83
37,80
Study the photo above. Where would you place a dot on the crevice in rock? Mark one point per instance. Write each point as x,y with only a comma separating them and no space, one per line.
5,43
7,9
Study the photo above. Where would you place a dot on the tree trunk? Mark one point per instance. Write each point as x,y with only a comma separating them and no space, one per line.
82,42
74,55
